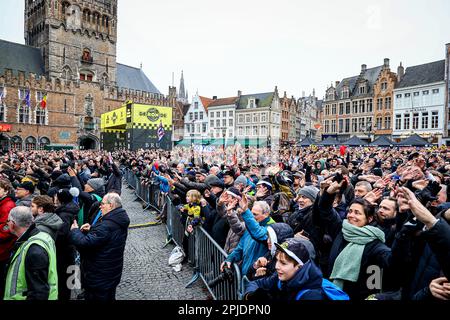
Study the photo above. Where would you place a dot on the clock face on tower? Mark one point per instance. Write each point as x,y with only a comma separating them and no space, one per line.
73,17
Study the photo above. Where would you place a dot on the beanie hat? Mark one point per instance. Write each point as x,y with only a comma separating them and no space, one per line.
63,181
96,183
241,180
213,181
67,195
309,192
234,193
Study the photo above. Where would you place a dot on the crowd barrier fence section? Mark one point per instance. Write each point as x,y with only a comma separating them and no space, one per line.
204,254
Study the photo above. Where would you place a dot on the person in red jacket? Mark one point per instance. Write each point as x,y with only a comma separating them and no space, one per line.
7,239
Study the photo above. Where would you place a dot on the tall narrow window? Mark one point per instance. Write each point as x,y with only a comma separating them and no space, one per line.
434,120
424,120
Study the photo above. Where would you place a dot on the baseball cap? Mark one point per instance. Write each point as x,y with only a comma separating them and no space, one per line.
295,250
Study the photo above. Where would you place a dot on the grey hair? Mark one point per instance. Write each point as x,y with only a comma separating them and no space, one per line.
364,184
114,199
264,206
21,216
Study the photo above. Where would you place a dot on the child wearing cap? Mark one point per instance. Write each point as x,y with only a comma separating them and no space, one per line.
296,278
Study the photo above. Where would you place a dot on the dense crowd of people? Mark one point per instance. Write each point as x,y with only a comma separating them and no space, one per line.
62,225
301,224
316,223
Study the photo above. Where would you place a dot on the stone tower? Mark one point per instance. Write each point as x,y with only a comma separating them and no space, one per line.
77,38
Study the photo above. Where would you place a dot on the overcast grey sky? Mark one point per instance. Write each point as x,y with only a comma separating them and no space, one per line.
253,45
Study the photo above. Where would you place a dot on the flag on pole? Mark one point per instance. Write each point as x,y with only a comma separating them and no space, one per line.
44,102
160,132
27,99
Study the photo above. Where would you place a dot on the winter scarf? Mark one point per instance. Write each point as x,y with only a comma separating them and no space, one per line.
348,263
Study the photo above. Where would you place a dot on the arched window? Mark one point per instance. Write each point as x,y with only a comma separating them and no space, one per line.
67,73
16,143
43,142
105,79
30,144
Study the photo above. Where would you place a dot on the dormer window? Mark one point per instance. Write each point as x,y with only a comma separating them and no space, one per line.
384,86
362,88
251,103
345,93
195,105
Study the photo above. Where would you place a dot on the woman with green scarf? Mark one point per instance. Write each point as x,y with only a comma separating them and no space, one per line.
358,250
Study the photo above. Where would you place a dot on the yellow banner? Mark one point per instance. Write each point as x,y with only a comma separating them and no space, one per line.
150,117
115,118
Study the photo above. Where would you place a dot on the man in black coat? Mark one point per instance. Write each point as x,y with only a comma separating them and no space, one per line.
102,246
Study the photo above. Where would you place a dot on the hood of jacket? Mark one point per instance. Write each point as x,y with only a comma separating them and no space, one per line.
308,277
119,216
278,233
49,223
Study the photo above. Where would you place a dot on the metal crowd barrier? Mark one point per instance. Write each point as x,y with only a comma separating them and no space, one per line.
175,228
208,257
204,254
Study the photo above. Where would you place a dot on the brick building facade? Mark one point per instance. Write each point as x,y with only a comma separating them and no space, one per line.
69,57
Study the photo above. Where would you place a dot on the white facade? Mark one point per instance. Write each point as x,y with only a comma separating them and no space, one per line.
196,120
255,122
419,109
222,121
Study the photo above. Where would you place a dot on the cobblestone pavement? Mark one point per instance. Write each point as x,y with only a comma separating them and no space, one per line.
146,273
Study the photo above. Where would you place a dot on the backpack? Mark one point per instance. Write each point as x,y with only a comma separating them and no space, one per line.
332,291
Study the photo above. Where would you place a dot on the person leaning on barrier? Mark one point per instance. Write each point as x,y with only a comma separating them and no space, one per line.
101,247
32,273
252,244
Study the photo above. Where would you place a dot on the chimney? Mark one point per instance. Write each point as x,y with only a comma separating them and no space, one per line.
303,94
363,68
386,63
400,72
239,93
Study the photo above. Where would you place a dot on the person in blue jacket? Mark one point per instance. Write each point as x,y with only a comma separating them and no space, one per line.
253,243
296,278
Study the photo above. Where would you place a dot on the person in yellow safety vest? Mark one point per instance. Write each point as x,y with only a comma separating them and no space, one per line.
32,273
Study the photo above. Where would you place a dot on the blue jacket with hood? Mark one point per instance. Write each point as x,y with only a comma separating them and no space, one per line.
309,277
